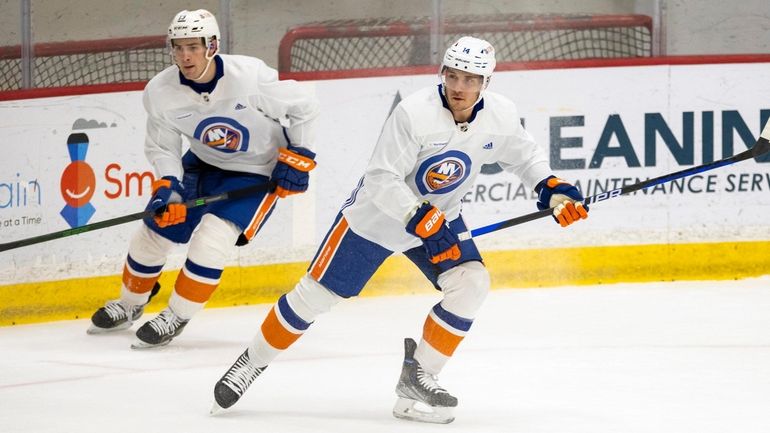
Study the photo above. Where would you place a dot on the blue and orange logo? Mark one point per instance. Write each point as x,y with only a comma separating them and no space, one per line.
443,173
78,183
223,134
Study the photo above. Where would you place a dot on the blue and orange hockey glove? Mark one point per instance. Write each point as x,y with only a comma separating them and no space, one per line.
166,202
566,200
292,171
440,242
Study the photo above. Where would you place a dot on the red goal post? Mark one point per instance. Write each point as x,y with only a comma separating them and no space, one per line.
371,44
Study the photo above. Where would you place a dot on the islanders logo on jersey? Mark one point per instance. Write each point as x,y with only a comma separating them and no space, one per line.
443,173
223,134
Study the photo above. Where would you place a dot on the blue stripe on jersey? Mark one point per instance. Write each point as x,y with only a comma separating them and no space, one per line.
352,198
138,267
290,316
211,273
452,320
286,136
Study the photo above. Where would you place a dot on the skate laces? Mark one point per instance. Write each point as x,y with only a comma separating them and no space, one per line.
116,310
241,374
166,322
428,381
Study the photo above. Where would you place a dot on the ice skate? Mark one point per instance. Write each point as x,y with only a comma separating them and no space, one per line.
420,398
231,387
159,331
116,315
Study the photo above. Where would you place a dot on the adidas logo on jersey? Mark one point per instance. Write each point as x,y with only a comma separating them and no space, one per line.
488,146
239,106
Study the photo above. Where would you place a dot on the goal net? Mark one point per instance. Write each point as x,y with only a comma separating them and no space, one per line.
76,63
388,43
344,45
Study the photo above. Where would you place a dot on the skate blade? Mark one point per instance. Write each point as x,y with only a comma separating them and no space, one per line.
216,409
141,345
95,330
414,410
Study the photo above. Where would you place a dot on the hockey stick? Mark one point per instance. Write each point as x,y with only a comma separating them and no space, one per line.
202,201
760,148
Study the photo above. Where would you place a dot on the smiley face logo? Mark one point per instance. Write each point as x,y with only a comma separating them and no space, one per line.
78,183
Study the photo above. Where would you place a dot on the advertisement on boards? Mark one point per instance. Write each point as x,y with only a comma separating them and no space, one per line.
70,161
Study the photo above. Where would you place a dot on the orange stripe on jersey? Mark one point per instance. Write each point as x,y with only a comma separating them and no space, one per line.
193,290
259,218
328,250
440,338
137,284
276,334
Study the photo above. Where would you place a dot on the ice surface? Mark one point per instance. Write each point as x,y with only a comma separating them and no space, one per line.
660,357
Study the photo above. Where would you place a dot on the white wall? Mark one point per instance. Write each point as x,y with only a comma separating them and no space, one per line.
715,26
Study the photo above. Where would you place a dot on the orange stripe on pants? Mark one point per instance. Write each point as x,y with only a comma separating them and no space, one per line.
193,290
440,338
328,250
137,284
276,334
259,217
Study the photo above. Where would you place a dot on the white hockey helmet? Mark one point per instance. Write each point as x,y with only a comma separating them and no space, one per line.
195,24
472,55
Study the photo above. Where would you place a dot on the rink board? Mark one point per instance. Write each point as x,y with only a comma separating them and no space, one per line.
602,128
79,298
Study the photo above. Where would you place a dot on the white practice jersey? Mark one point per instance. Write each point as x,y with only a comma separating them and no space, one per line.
422,154
239,126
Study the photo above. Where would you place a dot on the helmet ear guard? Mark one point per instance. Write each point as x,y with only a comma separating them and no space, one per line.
214,45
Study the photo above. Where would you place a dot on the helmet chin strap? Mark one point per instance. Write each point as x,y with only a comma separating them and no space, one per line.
208,64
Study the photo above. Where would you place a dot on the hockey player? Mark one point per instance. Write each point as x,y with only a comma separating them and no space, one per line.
244,127
430,151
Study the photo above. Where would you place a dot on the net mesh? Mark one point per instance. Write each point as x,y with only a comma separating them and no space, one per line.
90,62
349,45
344,45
